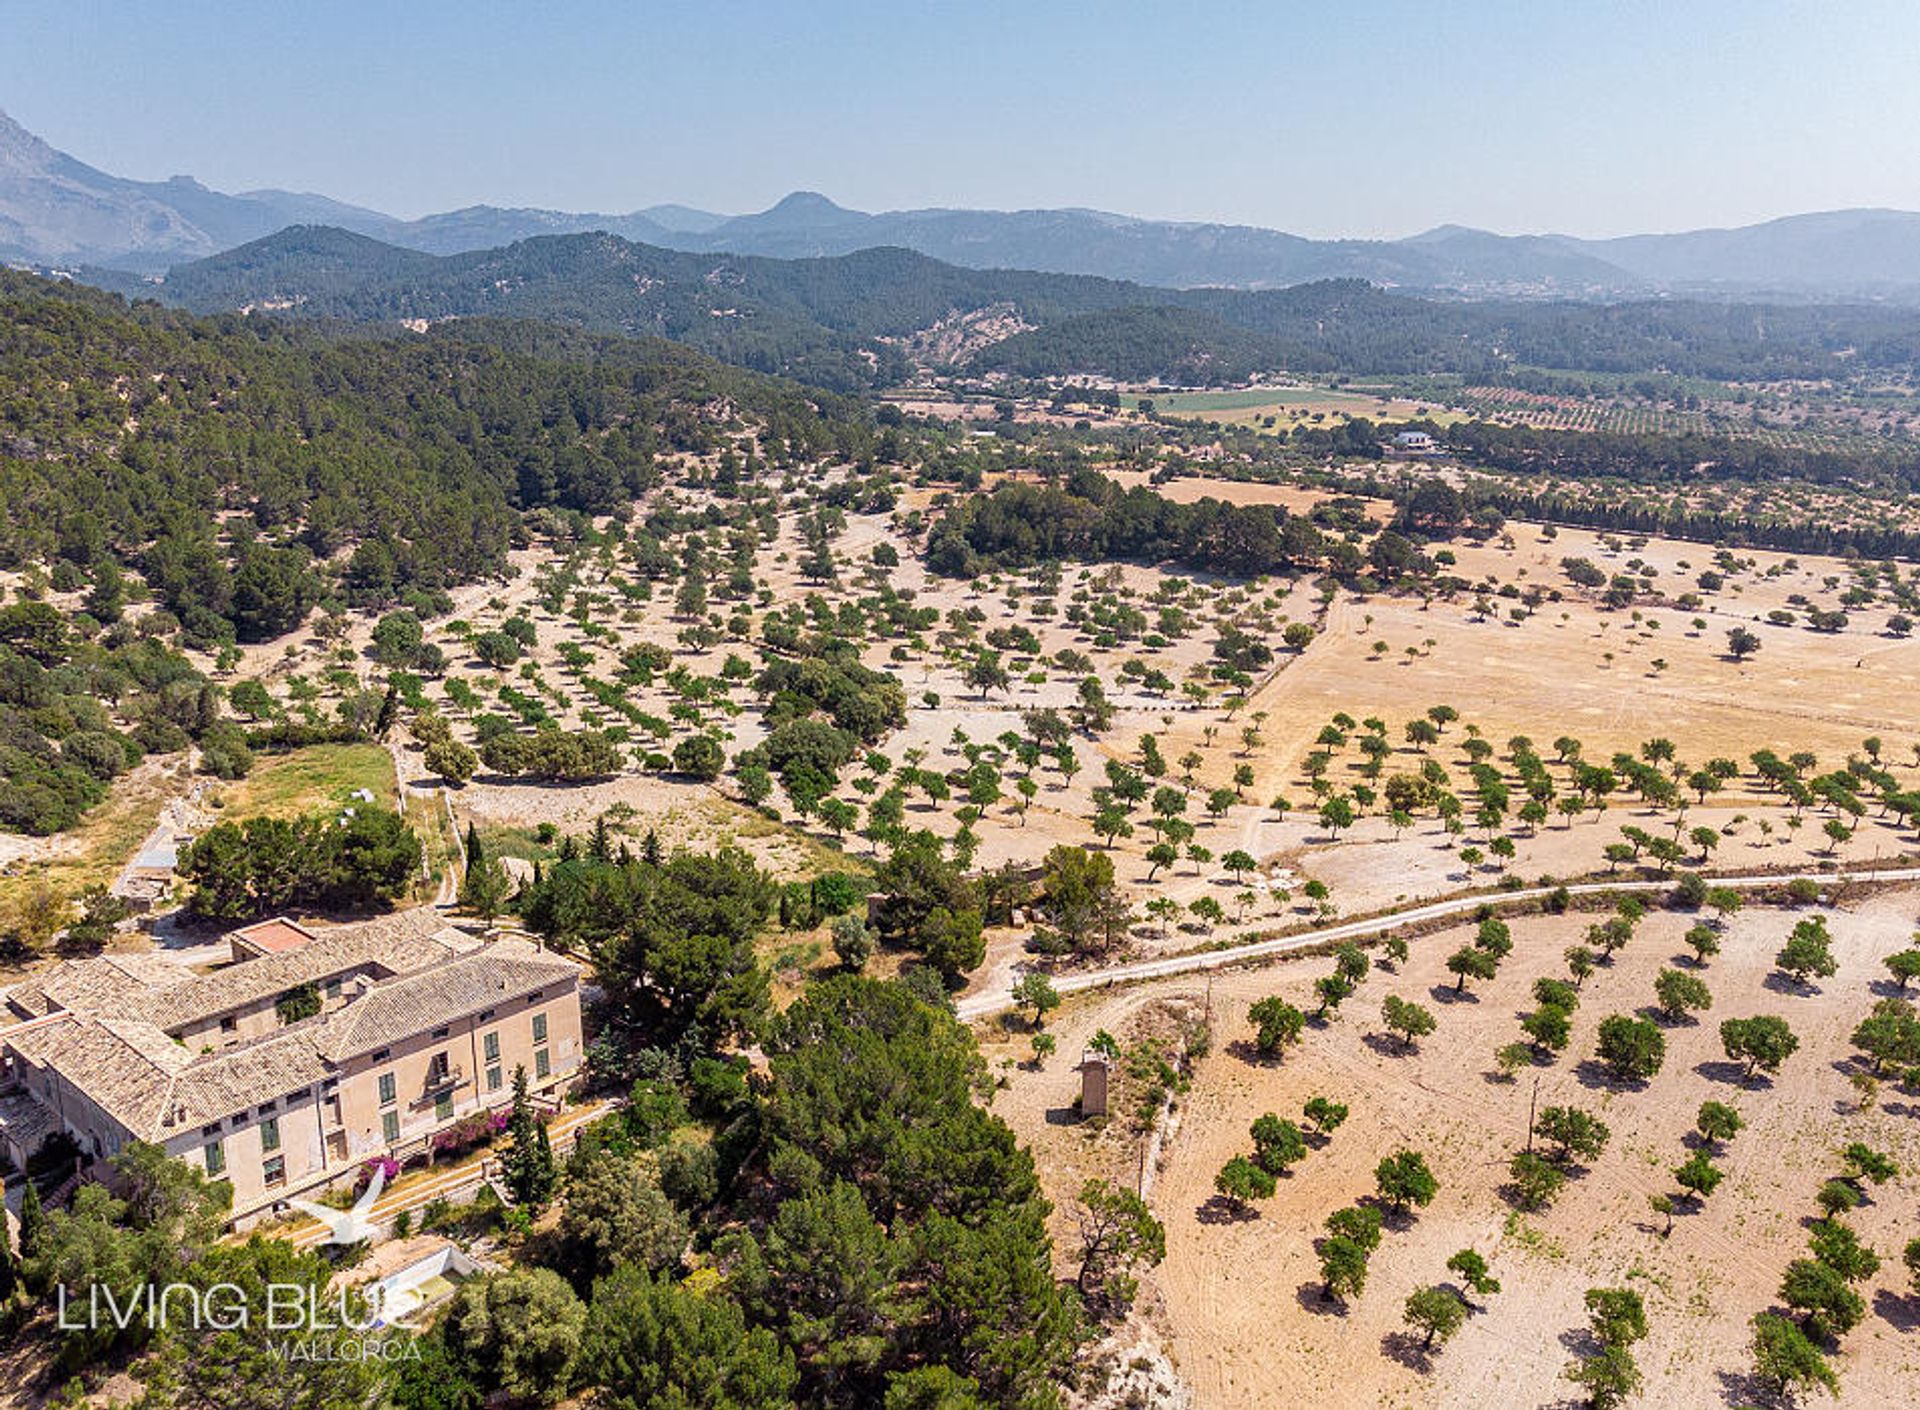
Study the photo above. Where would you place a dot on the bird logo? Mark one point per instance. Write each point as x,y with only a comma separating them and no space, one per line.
347,1226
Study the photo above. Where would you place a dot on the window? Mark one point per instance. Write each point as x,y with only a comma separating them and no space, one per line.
486,1016
386,1089
229,1024
541,1067
539,1028
270,1134
274,1172
389,1126
382,1054
441,1032
439,1069
443,1107
216,1155
266,1107
491,1046
493,1079
212,1130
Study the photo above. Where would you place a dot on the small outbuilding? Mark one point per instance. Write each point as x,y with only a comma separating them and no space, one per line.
1094,1070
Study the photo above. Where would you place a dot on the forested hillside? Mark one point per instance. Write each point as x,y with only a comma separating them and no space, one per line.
241,473
815,319
835,321
1348,326
231,460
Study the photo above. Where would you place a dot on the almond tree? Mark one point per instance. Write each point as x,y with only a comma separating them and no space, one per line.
1436,1311
1472,1269
1718,1122
1763,1043
1406,1018
1680,994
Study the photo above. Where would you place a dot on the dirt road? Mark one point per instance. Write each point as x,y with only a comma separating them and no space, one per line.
994,1000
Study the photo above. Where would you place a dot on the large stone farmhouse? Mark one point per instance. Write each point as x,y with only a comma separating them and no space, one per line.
286,1067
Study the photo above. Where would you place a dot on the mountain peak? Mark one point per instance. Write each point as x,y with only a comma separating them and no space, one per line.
806,203
798,210
1441,232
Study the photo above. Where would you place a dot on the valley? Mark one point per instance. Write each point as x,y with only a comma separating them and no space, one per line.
949,808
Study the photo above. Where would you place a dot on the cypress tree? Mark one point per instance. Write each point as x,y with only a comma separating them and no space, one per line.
33,1232
389,711
484,887
529,1164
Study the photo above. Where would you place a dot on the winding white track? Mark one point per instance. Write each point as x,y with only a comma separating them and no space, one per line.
994,1000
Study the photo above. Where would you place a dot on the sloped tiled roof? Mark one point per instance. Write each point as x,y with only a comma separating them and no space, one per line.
124,1066
24,1120
154,987
465,984
157,1088
122,984
271,936
397,944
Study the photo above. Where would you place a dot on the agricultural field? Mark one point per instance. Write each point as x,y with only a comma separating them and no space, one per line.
1776,417
1000,725
1240,1297
1278,409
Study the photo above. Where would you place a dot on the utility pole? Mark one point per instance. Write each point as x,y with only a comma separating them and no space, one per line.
1532,1102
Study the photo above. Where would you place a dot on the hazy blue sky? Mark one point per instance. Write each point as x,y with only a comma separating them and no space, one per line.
1377,118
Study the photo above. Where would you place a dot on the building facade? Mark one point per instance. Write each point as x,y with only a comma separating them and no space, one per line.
285,1069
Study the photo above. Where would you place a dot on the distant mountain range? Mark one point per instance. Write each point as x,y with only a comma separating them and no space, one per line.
58,211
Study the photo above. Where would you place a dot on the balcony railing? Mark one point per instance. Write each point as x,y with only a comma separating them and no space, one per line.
440,1080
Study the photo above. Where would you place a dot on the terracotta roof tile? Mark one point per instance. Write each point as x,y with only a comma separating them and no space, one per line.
156,1087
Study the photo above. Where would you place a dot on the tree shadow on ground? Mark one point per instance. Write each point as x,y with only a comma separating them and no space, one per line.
1580,1341
1218,1209
1596,1076
1734,1074
1387,1045
1405,1347
1509,1195
1313,1298
1901,1313
1792,988
1743,1388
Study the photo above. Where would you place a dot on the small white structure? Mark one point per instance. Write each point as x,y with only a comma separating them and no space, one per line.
422,1284
1413,441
